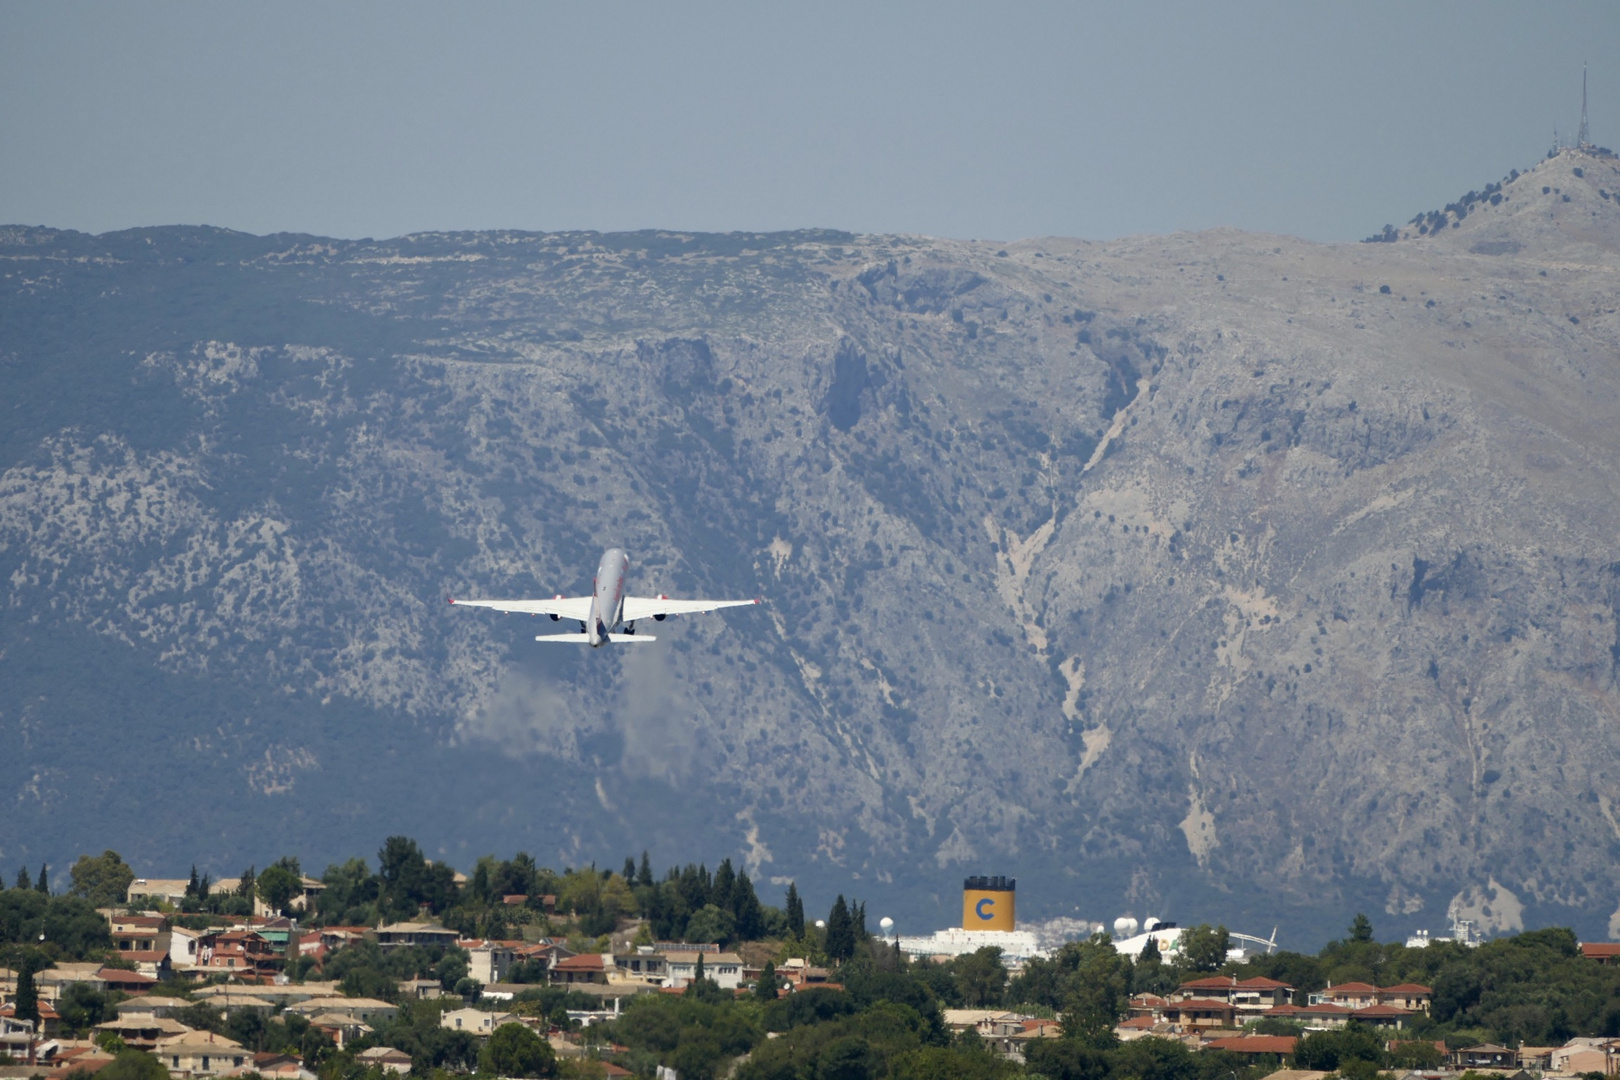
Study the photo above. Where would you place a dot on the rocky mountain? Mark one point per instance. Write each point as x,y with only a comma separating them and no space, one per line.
1210,576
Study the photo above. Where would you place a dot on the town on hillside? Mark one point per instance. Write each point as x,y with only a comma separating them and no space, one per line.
520,971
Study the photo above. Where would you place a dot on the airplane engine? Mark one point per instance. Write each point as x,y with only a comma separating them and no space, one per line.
556,618
660,617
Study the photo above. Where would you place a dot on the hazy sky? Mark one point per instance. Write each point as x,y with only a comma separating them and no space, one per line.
988,120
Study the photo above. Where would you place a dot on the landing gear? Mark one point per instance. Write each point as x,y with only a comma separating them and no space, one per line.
630,628
583,628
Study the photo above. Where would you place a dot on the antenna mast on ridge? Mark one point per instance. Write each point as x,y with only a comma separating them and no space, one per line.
1583,139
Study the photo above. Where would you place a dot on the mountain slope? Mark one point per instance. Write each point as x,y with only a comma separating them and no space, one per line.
1206,576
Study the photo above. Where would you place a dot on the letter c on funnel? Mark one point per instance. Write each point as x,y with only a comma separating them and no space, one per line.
979,908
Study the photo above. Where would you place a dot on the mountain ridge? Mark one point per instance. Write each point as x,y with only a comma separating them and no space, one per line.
1235,589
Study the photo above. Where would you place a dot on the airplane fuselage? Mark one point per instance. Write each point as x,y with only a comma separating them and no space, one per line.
607,596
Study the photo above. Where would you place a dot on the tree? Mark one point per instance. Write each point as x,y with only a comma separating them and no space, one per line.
133,1065
1097,988
26,1003
629,871
795,912
1204,948
515,1050
104,880
644,877
248,884
23,880
277,885
194,887
768,986
1150,953
1361,929
711,923
1331,1050
43,882
840,931
981,977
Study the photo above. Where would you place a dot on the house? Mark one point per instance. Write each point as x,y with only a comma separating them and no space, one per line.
244,951
644,963
274,1067
1582,1055
1280,1045
1321,1015
1409,996
1604,952
1350,995
50,1022
1251,996
397,935
799,975
153,1005
353,1008
1194,1013
420,989
185,948
723,968
144,1032
584,968
169,890
341,1028
141,939
1485,1056
1385,1016
201,1053
385,1058
52,981
476,1021
490,961
128,982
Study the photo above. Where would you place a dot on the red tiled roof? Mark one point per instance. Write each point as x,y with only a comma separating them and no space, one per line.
117,977
1138,1022
1327,1008
1203,1003
1406,988
1260,982
582,962
1351,988
1374,1011
1211,982
1255,1044
1284,1010
1597,949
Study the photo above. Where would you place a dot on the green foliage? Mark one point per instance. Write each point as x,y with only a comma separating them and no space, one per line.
840,943
133,1065
795,911
514,1050
768,985
1329,1050
408,882
278,884
364,969
981,977
81,1007
72,928
692,1035
104,880
1361,929
712,923
1204,948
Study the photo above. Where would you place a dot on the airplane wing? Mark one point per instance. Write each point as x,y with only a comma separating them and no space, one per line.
645,607
569,607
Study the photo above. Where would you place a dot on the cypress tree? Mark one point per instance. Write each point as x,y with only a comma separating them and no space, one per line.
725,880
23,880
27,1004
795,912
644,875
858,917
248,884
191,886
745,906
768,986
840,931
43,883
629,871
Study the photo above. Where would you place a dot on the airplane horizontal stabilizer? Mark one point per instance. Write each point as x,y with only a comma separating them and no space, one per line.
584,639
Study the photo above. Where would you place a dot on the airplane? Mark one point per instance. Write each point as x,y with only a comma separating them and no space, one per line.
601,613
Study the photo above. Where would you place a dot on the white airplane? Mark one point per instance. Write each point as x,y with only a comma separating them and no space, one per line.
601,613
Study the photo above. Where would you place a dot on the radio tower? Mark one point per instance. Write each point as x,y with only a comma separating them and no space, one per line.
1583,139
